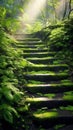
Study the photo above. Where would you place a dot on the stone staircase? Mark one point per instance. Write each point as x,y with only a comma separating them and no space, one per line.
48,86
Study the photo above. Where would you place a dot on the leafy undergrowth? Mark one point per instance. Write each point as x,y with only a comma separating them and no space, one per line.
60,39
11,64
11,76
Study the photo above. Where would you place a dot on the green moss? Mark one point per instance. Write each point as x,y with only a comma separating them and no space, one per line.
66,81
44,58
42,72
50,95
69,108
69,93
30,82
68,96
48,73
33,99
33,83
42,65
57,127
45,115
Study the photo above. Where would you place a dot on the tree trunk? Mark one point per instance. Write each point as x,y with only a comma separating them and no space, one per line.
69,8
54,10
65,10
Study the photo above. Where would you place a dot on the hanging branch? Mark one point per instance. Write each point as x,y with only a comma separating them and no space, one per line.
70,8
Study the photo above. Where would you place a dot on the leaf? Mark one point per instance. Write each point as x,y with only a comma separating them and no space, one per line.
8,95
12,110
22,11
5,109
8,116
4,12
17,96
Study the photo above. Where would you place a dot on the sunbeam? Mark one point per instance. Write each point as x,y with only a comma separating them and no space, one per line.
31,12
33,9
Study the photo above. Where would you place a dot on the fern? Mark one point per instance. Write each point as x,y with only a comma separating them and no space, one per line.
10,92
7,112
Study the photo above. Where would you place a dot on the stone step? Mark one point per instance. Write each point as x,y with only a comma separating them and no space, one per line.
28,39
39,55
49,88
41,102
40,95
26,42
51,118
44,60
25,37
30,46
55,68
31,50
46,77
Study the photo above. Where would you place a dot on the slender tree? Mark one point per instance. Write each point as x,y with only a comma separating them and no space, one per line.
70,8
65,9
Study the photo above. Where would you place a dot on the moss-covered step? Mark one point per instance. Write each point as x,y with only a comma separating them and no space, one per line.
69,108
28,39
55,68
44,60
46,77
50,118
30,46
41,102
25,42
68,96
30,50
49,88
41,54
47,72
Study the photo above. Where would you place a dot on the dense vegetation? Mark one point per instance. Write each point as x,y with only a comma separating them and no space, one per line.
57,34
60,38
11,63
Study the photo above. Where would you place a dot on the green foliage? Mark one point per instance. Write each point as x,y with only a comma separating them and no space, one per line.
60,39
37,26
11,65
9,94
7,112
